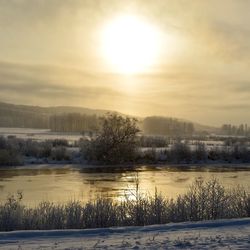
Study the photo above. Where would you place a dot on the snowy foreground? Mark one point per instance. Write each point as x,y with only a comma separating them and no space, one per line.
221,234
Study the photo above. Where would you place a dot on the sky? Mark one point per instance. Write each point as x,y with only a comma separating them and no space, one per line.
51,53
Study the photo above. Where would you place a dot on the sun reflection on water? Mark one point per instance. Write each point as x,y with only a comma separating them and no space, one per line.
62,185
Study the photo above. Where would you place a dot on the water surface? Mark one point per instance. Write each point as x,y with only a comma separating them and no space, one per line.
64,184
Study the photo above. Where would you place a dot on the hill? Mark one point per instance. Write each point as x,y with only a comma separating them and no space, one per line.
51,110
25,116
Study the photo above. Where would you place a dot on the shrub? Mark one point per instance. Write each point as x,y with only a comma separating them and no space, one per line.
60,142
60,153
153,141
180,152
10,158
203,201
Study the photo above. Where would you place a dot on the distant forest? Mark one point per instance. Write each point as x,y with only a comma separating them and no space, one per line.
74,122
241,130
167,126
77,119
23,119
60,120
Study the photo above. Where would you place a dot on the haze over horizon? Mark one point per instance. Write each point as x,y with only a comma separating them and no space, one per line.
188,59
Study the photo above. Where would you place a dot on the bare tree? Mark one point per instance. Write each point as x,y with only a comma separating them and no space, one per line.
116,142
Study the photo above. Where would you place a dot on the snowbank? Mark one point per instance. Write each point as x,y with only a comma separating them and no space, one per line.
227,234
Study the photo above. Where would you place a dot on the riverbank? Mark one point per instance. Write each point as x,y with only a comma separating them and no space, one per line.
182,166
197,203
219,234
15,152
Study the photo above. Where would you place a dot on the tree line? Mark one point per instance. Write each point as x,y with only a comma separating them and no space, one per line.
63,120
167,126
241,130
14,151
21,119
74,122
118,142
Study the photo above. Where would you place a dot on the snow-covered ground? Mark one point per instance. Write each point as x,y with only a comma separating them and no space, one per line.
46,134
39,134
221,234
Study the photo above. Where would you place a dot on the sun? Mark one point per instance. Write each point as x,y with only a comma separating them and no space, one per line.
130,45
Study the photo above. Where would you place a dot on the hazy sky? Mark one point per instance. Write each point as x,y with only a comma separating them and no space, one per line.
50,54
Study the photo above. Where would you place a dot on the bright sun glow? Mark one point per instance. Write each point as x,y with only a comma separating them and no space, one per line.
130,44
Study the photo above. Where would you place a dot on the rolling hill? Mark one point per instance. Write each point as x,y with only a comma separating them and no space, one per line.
25,116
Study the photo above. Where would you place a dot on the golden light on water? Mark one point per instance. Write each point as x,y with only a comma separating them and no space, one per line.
130,44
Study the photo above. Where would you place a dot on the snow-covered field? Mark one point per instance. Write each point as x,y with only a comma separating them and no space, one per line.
221,234
46,134
39,134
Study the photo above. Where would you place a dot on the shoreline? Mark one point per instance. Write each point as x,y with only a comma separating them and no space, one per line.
181,166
